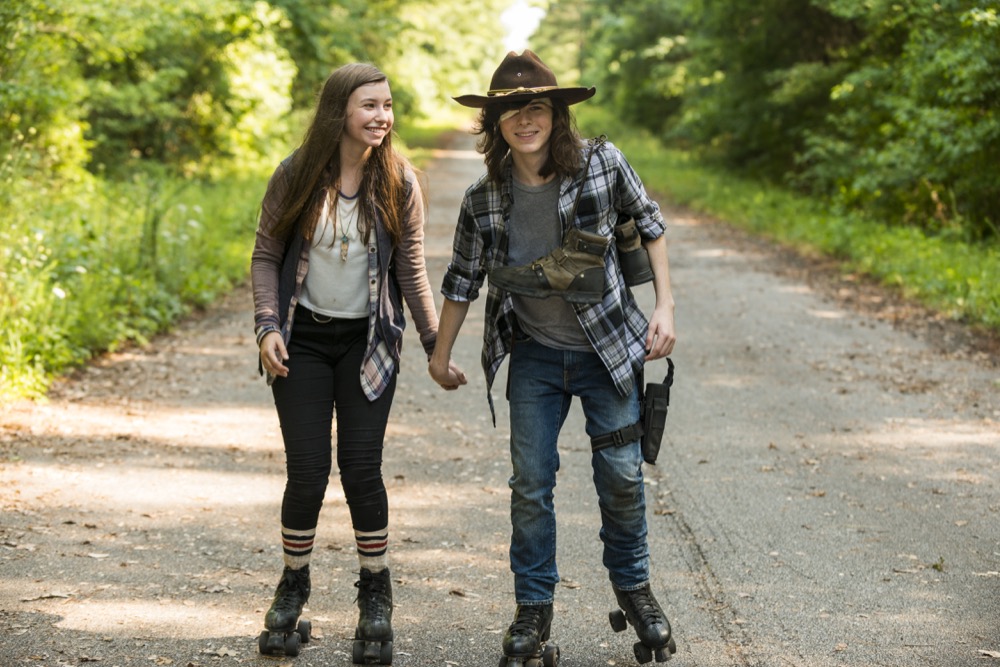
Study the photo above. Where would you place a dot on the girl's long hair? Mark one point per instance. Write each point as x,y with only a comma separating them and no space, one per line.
315,165
564,142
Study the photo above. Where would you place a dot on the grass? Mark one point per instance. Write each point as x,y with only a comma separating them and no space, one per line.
94,265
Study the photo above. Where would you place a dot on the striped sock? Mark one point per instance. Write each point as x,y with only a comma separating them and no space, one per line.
297,546
372,549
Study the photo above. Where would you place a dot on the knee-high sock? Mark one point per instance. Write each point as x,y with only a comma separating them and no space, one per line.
372,547
297,546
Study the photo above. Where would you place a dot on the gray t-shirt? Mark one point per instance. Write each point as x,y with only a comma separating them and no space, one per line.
535,232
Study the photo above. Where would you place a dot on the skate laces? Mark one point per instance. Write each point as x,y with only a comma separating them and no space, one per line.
370,588
528,620
292,590
646,606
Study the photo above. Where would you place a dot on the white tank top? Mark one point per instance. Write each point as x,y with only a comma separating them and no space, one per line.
336,284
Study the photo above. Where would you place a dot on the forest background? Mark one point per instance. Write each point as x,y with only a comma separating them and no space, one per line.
136,136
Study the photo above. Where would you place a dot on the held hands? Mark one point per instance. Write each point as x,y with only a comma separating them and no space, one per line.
273,354
661,337
449,376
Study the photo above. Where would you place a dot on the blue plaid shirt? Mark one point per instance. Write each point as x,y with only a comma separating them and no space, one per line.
616,326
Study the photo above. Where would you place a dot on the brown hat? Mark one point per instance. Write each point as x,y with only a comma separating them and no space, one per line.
521,78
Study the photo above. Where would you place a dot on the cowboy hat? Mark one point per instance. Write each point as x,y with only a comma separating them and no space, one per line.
522,78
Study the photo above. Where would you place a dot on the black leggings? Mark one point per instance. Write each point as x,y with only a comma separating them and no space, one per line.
324,370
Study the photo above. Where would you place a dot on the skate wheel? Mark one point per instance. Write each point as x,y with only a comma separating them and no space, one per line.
372,652
292,644
385,653
550,656
618,620
643,653
271,643
672,645
358,652
662,654
305,631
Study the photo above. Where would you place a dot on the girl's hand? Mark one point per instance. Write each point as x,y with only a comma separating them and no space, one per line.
273,354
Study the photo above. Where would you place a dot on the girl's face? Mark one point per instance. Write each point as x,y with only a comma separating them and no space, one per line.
369,115
527,130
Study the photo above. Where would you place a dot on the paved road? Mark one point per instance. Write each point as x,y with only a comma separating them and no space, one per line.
826,495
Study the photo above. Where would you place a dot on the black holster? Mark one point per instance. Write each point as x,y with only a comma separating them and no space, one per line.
653,404
653,414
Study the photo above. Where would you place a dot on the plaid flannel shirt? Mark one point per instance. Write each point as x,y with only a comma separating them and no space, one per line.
616,327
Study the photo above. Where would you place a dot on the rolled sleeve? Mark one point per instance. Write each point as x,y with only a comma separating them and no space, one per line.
466,272
635,201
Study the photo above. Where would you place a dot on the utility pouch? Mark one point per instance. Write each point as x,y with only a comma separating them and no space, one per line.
653,414
632,255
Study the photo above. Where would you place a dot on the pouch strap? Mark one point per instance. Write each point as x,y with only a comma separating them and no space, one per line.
594,144
622,436
669,379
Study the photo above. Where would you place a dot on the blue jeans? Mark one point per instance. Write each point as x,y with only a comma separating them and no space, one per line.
541,383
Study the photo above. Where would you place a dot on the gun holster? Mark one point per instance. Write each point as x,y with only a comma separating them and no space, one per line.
653,404
653,413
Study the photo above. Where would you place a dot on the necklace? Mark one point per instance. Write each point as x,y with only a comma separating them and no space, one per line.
347,211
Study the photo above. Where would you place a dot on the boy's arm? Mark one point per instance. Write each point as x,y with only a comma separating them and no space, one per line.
442,369
661,336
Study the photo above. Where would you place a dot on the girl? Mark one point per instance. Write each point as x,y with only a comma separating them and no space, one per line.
340,241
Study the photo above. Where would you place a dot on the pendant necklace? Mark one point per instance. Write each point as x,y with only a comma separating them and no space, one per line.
344,240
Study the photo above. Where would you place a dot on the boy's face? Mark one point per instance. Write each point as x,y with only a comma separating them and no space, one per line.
527,129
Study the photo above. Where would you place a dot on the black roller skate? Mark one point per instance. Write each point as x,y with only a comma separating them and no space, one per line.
373,636
524,643
641,609
285,632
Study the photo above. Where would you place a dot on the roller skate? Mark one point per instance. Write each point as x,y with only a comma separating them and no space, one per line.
524,643
285,633
373,636
641,609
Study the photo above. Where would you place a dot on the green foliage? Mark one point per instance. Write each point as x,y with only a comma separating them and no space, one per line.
181,84
443,49
889,107
948,274
79,274
915,134
318,34
40,123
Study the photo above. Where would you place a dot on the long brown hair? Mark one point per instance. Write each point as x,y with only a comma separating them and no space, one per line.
564,142
315,165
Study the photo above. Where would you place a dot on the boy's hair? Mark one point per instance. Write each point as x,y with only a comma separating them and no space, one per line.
564,143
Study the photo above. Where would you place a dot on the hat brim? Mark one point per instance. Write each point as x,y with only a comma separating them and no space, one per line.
567,95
